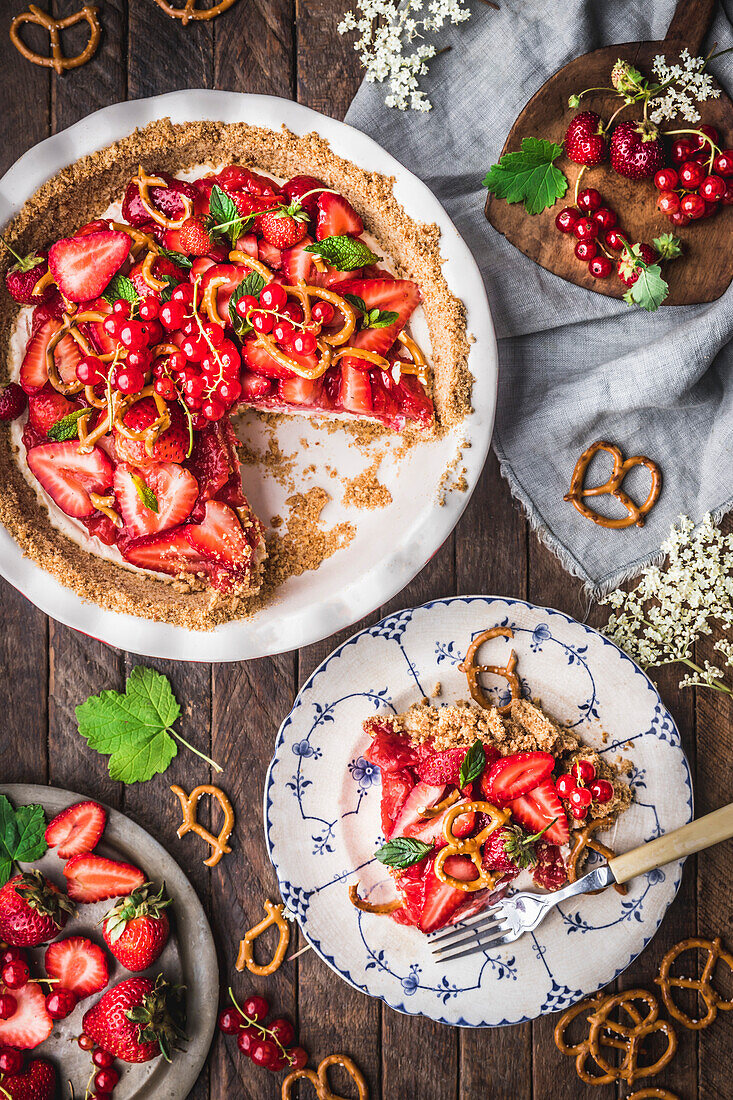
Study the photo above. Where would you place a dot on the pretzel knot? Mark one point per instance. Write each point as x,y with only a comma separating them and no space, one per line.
189,805
584,839
703,985
508,671
319,1078
636,512
653,1094
245,958
57,60
629,1038
470,846
190,11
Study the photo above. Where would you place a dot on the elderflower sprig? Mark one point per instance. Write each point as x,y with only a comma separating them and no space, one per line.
386,28
676,603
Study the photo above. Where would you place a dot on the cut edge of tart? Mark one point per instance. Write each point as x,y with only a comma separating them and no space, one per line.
81,193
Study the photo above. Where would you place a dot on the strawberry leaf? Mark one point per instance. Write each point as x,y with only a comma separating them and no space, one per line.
650,289
668,246
22,836
121,287
68,427
343,252
529,176
146,494
473,764
403,851
134,727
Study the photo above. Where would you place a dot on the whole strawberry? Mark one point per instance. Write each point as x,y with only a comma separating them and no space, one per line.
138,1019
510,849
136,930
21,278
585,141
628,268
36,1082
194,237
285,226
32,910
636,150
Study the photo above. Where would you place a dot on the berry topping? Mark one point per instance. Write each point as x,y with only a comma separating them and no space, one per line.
83,266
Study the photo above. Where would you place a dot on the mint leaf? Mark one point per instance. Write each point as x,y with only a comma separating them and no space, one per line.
343,252
650,289
529,175
403,851
171,284
176,257
121,287
22,836
378,318
224,220
146,494
134,727
68,427
356,302
473,764
251,284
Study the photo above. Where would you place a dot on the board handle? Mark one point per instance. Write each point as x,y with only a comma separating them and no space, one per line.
690,23
700,834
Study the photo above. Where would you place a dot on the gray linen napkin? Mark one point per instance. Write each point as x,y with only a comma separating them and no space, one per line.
574,366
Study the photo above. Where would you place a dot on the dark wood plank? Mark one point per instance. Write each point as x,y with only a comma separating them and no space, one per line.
163,55
328,67
103,79
254,48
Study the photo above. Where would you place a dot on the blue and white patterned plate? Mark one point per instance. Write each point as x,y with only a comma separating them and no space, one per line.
322,818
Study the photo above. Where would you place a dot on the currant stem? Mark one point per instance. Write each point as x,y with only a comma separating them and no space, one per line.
264,1031
201,755
618,111
577,184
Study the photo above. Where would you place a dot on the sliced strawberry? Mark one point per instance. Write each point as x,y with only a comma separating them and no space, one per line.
442,767
233,273
92,878
220,538
175,491
69,477
538,808
167,200
442,900
296,263
400,296
396,786
101,527
337,217
410,885
270,255
199,266
83,266
407,396
248,243
54,309
422,795
303,392
210,461
47,407
390,752
77,829
94,330
30,1024
77,964
67,356
254,386
355,391
170,553
170,446
515,775
33,369
430,829
258,359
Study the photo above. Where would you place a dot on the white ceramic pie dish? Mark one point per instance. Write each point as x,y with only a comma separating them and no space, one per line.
371,569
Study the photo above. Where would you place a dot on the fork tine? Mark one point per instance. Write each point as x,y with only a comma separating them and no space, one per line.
474,938
460,930
477,946
492,911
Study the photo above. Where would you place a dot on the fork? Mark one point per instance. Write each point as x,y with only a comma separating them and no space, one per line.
510,917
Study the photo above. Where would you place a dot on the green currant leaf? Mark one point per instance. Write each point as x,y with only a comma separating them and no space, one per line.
529,175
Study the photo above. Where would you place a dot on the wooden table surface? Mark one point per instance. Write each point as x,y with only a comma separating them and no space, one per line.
291,48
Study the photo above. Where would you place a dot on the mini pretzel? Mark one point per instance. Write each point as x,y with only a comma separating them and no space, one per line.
583,839
631,1038
245,958
56,61
703,986
144,182
319,1078
471,846
189,805
567,1018
382,909
581,1050
636,513
508,671
190,11
653,1094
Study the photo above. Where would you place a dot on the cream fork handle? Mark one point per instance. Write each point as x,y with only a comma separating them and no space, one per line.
700,834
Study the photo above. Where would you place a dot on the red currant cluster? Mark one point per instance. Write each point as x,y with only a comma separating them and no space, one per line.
594,227
581,787
271,1046
699,184
104,1076
273,313
15,973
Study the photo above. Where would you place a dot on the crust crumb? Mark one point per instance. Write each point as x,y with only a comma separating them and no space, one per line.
365,490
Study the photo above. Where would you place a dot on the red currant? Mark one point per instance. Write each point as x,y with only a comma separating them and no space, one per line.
176,361
60,1003
666,179
710,132
246,304
600,267
133,336
565,785
193,385
566,219
214,333
585,229
11,1062
106,1080
183,293
668,202
213,409
294,312
262,322
691,175
149,308
247,1038
16,974
122,308
586,250
256,1008
323,312
304,343
85,1042
230,358
605,218
682,149
193,403
90,370
102,1058
727,199
8,1006
614,239
141,360
265,1054
589,200
12,954
579,812
602,790
229,390
273,296
283,1031
584,771
693,205
172,315
194,348
712,188
723,163
297,1058
581,796
679,219
283,332
230,1021
165,388
112,325
128,379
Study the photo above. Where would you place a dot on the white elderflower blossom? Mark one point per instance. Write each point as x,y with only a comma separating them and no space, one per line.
684,85
386,28
673,605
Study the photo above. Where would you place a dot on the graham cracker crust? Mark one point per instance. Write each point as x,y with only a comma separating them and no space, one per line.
78,194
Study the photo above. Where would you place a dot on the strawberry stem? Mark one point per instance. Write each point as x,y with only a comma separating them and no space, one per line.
19,259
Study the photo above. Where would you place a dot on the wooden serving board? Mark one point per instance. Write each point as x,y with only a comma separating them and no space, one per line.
705,270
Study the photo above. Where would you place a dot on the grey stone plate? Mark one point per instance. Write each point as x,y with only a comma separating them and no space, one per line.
189,957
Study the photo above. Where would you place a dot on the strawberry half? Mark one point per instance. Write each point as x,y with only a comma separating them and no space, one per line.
83,266
47,406
69,477
337,217
515,775
170,553
77,829
77,964
93,878
219,537
170,446
355,391
211,462
30,1025
536,809
174,488
396,786
441,900
421,796
296,263
400,296
37,1081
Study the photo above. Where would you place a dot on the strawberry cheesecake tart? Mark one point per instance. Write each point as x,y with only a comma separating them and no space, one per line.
473,797
156,288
